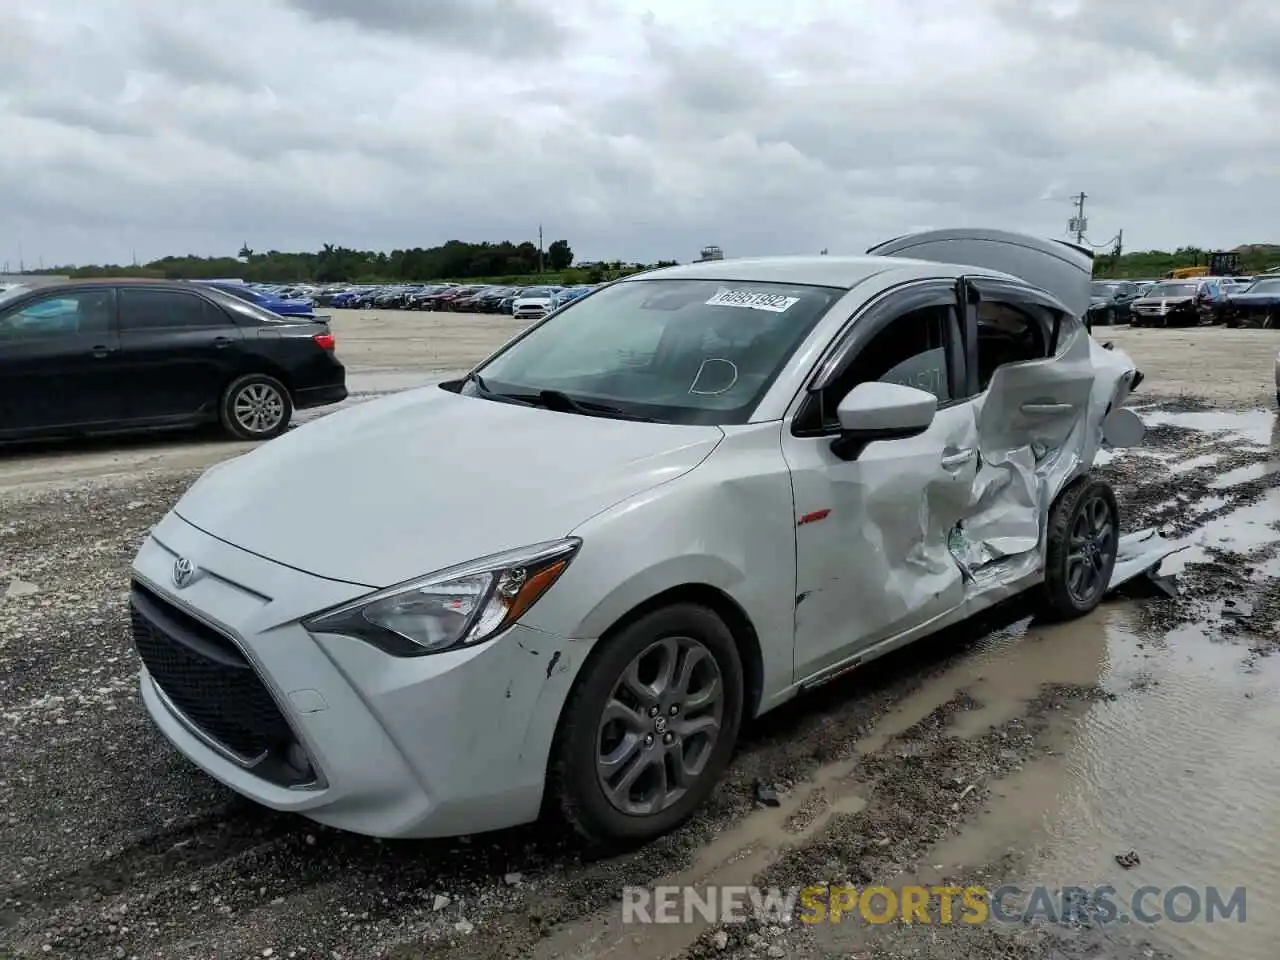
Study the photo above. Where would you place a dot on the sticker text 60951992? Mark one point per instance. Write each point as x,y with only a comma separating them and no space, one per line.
773,302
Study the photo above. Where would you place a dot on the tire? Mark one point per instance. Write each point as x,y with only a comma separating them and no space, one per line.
577,778
1083,535
256,407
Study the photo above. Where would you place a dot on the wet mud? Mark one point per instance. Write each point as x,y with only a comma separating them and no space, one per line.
1001,752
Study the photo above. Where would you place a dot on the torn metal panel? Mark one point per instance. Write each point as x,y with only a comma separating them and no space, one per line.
955,519
1040,423
1138,553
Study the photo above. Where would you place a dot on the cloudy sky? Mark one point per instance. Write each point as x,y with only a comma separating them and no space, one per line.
636,129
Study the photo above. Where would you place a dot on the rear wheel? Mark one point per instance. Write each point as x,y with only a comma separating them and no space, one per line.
649,727
256,407
1082,543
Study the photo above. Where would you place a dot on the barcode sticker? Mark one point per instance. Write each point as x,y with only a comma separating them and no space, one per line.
773,302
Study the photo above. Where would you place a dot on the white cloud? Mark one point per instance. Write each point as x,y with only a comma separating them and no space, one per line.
637,129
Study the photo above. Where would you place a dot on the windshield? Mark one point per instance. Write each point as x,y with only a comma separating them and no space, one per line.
1264,286
1105,289
536,292
677,351
1172,290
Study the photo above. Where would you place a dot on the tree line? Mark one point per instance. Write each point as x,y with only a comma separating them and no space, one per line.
459,260
455,260
1153,264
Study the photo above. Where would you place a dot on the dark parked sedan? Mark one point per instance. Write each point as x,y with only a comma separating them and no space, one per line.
1109,301
108,356
1258,305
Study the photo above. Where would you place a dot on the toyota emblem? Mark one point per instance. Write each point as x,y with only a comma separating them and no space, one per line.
184,572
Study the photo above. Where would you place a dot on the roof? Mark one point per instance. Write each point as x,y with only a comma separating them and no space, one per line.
67,285
817,271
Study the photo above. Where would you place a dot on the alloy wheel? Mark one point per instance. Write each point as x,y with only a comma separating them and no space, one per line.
1092,545
660,726
258,408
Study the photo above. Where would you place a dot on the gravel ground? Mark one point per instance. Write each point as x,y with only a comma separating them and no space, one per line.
112,845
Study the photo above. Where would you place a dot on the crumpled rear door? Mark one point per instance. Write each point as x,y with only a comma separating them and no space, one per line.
1036,429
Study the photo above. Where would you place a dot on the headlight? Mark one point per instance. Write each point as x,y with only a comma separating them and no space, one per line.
457,607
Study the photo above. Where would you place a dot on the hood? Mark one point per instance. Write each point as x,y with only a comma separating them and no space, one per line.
1254,297
533,299
403,486
1159,300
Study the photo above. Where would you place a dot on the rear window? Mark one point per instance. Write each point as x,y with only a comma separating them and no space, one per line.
244,309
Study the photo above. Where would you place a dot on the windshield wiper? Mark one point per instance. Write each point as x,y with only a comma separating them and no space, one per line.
559,401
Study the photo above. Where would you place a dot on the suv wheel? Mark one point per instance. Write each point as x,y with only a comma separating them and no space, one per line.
649,727
256,407
1080,554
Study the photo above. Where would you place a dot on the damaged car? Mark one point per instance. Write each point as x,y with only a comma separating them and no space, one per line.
1179,303
1257,305
564,581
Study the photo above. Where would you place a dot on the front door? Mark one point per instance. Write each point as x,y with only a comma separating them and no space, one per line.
873,534
179,350
58,362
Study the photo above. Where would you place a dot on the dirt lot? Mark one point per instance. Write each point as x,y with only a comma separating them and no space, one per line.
1005,752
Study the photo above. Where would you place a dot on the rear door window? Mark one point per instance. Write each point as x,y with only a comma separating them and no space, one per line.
168,310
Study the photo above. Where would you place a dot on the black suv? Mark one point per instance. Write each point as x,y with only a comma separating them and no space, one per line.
109,356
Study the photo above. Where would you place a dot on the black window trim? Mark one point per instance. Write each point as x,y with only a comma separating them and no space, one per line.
863,326
227,319
979,288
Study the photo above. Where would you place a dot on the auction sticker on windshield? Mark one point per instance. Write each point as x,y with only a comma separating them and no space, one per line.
774,303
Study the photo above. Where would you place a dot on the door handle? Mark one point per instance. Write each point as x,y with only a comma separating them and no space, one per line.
954,461
101,351
1046,409
221,342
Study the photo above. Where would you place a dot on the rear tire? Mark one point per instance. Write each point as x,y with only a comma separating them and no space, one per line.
1082,542
609,736
256,407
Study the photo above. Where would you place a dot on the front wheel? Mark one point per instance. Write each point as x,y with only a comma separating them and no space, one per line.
649,727
256,407
1083,540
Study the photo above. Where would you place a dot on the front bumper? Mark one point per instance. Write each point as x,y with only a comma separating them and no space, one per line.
441,745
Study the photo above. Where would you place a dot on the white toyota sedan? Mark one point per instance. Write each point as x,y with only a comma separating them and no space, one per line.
564,581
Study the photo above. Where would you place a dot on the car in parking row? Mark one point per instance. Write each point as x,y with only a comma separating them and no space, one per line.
91,357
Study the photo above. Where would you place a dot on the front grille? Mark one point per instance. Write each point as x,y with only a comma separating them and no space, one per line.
206,677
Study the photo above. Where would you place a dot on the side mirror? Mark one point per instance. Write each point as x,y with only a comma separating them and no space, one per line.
881,411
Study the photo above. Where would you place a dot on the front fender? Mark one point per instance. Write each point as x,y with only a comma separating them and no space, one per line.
729,523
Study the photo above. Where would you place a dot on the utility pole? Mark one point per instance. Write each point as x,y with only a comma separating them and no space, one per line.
22,266
539,248
1078,223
